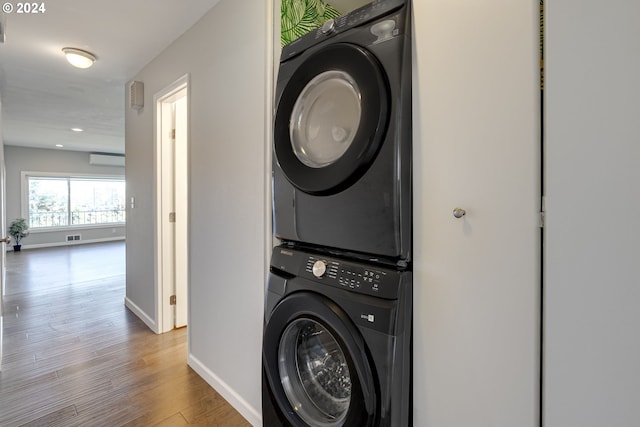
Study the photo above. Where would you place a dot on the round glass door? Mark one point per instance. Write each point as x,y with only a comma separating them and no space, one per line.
315,365
314,373
331,118
325,119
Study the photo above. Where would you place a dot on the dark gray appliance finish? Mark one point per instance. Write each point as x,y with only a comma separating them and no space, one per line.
342,136
337,346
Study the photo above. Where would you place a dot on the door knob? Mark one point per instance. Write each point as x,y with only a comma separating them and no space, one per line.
459,212
6,240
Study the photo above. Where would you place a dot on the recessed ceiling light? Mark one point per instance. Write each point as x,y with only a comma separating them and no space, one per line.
79,58
77,129
59,145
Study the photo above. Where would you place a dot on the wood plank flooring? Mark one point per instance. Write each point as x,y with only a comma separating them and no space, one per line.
75,356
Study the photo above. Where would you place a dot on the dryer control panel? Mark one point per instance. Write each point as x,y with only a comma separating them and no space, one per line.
354,276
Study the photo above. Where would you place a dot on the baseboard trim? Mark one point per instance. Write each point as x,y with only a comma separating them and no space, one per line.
230,395
78,242
141,314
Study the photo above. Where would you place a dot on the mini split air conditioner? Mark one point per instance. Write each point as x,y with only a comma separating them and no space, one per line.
106,160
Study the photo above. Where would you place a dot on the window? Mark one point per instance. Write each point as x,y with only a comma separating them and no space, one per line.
64,201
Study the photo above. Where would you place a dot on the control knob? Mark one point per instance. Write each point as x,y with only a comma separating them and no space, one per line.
328,27
319,268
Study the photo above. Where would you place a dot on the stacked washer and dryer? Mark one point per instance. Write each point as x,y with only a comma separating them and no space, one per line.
338,306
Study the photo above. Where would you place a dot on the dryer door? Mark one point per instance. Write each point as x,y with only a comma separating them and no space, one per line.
316,365
331,119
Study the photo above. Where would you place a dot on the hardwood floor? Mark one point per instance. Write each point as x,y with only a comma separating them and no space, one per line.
75,356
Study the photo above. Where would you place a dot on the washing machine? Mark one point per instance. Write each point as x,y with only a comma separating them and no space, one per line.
342,136
337,343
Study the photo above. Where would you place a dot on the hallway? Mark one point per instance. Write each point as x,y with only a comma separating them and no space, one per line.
75,356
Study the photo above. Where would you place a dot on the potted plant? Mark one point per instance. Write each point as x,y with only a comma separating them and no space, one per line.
18,230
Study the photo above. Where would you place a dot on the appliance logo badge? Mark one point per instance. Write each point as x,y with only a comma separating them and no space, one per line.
288,253
368,317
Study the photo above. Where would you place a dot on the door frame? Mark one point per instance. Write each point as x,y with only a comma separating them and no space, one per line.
165,313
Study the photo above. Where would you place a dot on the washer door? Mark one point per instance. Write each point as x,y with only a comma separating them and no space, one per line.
331,119
316,364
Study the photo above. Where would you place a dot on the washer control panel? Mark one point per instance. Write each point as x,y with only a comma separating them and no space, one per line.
353,276
361,278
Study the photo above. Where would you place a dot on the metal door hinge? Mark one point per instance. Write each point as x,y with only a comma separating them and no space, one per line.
541,213
172,217
172,300
173,134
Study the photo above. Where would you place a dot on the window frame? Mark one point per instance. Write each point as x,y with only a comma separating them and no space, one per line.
24,198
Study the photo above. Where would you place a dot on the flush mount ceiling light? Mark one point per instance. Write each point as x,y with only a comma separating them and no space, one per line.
77,129
79,58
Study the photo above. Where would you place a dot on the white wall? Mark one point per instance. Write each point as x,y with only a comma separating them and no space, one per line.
476,279
225,55
592,292
3,274
19,159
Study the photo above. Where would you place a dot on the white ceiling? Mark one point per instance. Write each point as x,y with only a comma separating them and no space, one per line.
43,97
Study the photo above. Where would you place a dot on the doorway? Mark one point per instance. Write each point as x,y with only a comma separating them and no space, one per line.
171,174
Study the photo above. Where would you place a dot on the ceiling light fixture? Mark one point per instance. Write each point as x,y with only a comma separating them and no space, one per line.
79,58
77,129
59,145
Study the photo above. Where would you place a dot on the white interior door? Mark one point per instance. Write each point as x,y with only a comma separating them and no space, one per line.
172,205
592,230
181,201
477,278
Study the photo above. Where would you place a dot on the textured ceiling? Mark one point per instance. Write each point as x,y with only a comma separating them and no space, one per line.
43,97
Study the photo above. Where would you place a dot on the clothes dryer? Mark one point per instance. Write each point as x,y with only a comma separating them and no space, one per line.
337,343
342,136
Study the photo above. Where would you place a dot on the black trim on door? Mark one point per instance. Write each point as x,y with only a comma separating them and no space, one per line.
364,68
364,406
